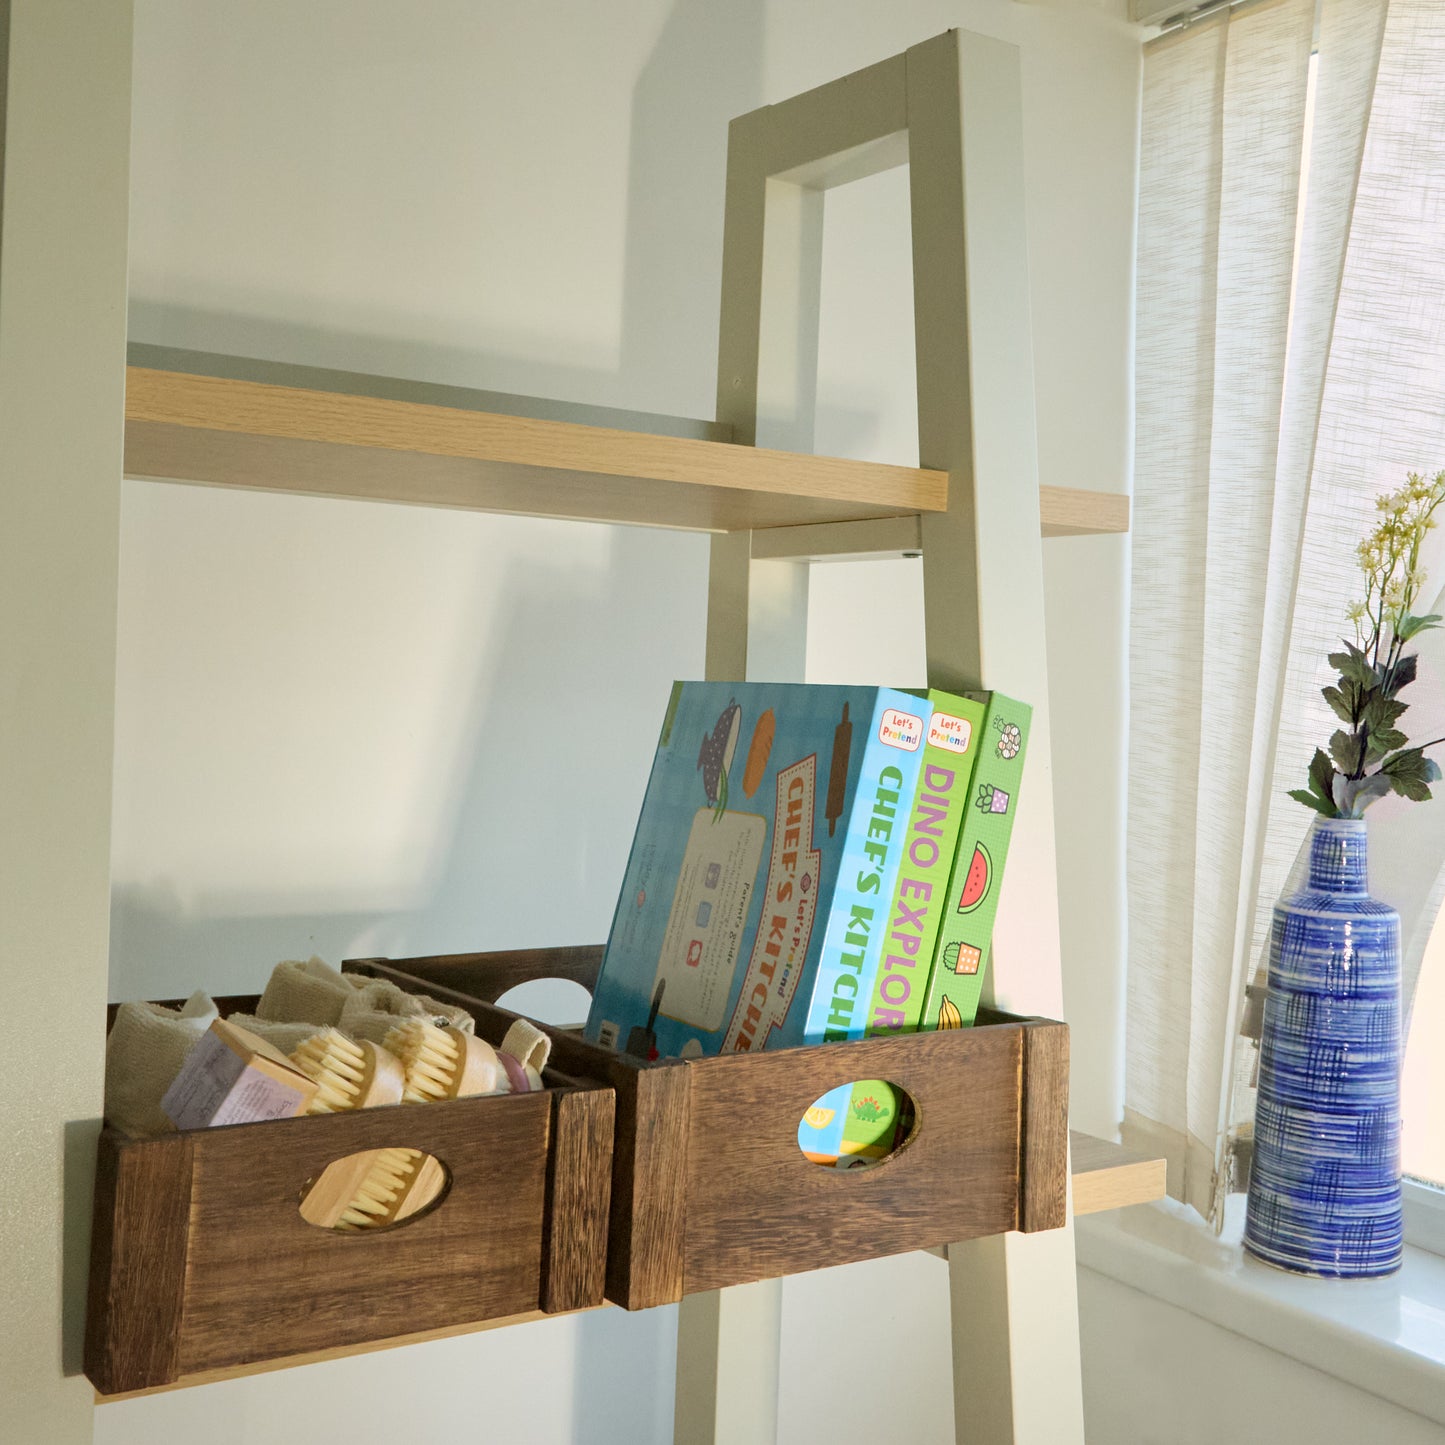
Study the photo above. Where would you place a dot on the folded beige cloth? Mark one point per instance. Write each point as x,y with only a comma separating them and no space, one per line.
376,1004
288,1037
304,991
146,1048
530,1047
311,991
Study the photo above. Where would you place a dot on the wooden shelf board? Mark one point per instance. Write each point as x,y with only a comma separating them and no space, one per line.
314,1357
1109,1176
1105,1176
1063,512
1077,512
229,432
227,421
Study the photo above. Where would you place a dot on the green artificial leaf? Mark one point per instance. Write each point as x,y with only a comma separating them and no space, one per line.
1379,712
1309,799
1410,624
1411,788
1339,700
1382,741
1348,700
1402,674
1348,750
1322,772
1354,666
1432,771
1410,774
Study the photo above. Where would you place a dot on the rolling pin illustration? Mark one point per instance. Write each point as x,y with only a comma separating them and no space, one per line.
715,756
838,771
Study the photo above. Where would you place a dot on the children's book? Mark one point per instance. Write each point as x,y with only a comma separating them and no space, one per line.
767,808
921,893
966,930
856,1123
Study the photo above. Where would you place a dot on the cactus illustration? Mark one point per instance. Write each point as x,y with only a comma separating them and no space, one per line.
991,799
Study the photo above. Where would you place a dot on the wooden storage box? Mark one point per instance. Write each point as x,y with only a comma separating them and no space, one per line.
709,1187
200,1260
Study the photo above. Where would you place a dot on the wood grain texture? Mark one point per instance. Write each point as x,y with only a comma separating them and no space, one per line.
1078,512
1044,1114
487,976
648,1197
230,432
231,1276
1063,512
579,1190
1109,1176
262,1282
645,1265
756,1208
709,1188
138,1261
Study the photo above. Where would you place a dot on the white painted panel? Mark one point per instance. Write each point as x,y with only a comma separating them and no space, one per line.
531,199
1154,1374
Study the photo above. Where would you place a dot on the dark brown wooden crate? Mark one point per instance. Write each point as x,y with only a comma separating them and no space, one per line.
709,1188
201,1261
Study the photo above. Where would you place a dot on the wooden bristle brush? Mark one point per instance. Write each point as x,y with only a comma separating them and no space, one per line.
350,1075
444,1063
374,1188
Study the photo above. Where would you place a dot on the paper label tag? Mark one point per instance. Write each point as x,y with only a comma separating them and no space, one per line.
215,1086
899,729
949,732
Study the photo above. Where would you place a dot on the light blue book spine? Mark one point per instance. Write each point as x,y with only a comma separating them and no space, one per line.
877,829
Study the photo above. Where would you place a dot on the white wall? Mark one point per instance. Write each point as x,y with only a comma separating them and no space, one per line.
327,714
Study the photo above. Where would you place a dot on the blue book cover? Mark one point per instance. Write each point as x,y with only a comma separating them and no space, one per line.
758,793
859,918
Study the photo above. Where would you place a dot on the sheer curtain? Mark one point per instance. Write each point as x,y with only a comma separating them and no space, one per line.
1290,365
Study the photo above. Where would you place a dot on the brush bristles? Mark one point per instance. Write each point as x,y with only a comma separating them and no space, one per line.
431,1058
381,1193
338,1067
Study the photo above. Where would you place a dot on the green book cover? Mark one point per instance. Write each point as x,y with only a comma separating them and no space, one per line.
858,1124
966,926
939,803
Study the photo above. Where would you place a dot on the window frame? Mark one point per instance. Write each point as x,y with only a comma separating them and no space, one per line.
1424,1214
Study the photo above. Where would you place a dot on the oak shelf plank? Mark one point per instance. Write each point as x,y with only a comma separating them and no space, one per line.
1109,1176
1105,1176
227,421
229,432
1077,512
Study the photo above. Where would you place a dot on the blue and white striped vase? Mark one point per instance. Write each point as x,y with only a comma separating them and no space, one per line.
1324,1190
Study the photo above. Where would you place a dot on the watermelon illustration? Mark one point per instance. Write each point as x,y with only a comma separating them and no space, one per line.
975,885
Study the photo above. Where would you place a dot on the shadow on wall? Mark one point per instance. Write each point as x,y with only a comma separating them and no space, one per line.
704,69
540,793
538,825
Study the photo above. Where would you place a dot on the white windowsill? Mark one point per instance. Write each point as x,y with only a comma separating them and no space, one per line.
1385,1336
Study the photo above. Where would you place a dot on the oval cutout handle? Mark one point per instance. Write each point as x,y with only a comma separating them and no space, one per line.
374,1189
857,1125
557,1002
